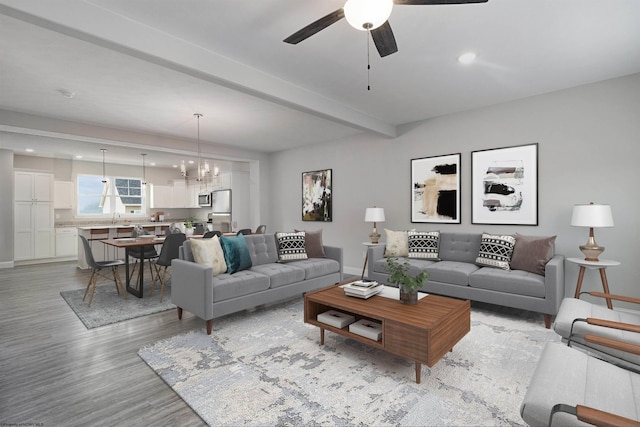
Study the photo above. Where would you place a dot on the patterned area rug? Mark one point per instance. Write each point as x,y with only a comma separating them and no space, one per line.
267,368
108,307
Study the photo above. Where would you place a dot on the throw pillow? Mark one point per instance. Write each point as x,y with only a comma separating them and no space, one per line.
291,246
495,250
531,253
423,244
208,252
313,244
397,243
236,253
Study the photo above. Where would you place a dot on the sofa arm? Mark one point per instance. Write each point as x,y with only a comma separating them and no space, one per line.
335,253
554,283
374,253
192,288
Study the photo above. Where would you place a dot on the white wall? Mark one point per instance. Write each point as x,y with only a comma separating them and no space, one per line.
588,151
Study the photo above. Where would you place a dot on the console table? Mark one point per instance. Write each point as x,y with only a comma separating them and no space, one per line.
594,265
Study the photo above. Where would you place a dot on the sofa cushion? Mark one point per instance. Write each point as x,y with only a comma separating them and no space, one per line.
262,248
452,272
280,274
397,243
208,252
496,250
313,243
316,267
423,244
236,253
531,253
415,265
517,282
227,286
291,246
460,247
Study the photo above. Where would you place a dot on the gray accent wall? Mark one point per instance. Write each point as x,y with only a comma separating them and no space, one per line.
589,149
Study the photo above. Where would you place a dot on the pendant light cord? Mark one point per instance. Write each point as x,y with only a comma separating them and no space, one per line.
368,59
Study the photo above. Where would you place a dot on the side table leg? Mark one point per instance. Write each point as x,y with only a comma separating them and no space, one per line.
321,336
366,258
579,285
418,372
605,286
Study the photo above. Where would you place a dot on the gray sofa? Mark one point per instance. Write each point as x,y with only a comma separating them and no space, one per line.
194,287
457,275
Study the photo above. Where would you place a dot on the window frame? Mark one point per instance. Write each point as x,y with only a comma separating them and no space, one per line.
111,197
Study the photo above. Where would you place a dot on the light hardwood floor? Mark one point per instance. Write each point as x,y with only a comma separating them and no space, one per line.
55,372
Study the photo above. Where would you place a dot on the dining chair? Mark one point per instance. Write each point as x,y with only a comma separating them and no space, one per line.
261,229
243,231
150,252
210,234
96,266
170,251
199,228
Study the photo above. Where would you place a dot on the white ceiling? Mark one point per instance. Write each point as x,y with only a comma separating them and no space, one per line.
144,67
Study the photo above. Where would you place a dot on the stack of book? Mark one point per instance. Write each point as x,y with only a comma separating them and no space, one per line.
363,288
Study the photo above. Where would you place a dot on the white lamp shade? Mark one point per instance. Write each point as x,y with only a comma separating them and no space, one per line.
592,216
374,215
373,13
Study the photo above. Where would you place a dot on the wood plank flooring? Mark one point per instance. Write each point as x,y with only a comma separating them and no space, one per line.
55,372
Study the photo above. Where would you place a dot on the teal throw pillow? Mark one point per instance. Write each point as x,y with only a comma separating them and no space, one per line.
236,253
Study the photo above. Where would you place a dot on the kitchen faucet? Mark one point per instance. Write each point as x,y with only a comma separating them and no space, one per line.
113,218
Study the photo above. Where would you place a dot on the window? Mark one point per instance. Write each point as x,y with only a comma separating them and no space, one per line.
115,196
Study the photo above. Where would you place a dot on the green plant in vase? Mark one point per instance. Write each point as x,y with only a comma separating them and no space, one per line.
188,225
407,283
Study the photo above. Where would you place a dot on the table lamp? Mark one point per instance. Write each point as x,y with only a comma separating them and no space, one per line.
374,215
591,216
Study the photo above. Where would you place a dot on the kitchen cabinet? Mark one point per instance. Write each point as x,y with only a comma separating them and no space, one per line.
162,197
63,195
66,242
33,186
33,230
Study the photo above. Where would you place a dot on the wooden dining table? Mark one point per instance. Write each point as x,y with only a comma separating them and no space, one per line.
129,244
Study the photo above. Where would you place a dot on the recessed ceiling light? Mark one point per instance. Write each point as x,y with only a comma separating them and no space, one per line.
175,166
152,164
191,162
467,58
78,156
29,150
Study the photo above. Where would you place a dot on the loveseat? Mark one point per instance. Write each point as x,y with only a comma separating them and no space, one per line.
451,261
195,287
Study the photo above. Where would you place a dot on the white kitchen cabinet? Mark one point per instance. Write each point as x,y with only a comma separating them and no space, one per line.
34,236
179,195
161,197
192,195
63,195
66,242
33,186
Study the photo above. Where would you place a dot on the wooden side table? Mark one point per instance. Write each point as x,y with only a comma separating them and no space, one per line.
366,257
594,265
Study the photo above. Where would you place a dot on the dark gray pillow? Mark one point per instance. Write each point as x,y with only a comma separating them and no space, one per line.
313,244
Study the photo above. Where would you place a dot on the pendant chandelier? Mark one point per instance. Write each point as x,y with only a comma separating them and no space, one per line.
104,176
203,168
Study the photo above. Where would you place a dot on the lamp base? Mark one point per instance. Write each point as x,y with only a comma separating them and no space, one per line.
591,252
375,237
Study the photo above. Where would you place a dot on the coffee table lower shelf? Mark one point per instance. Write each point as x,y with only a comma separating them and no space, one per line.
423,332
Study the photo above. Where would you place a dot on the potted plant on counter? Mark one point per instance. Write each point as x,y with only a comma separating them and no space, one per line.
408,284
188,226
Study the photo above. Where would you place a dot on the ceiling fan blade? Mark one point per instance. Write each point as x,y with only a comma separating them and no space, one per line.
428,2
384,40
315,27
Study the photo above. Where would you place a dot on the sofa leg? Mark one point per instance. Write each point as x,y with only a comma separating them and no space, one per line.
179,313
547,321
209,326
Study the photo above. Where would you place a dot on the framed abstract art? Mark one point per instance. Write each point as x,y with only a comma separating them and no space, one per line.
435,189
316,195
504,185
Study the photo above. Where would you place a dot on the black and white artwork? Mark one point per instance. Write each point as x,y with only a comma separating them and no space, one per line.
316,195
504,185
435,189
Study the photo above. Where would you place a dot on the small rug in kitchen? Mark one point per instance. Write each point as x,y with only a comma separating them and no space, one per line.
108,307
268,368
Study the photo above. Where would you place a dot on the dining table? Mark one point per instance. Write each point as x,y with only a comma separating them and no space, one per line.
132,244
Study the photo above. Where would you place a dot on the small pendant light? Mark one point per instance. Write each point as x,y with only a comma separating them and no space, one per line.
104,176
144,174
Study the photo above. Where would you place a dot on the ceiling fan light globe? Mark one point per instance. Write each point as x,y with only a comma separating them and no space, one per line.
367,14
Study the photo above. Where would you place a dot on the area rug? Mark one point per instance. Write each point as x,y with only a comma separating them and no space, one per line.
108,307
267,368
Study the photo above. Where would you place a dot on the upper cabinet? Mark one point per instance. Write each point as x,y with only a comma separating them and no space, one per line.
63,195
33,186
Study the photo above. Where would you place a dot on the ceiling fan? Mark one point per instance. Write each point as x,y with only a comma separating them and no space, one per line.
371,16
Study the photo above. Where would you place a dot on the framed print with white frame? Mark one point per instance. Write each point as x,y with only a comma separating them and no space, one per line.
504,185
435,189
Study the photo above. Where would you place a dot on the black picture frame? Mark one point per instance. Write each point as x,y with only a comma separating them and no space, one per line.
317,188
436,189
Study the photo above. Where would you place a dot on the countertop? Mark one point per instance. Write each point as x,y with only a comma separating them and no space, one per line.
121,225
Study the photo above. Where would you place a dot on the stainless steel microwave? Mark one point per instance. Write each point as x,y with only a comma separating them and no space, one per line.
204,199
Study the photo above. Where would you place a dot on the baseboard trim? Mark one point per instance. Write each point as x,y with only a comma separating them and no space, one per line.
6,264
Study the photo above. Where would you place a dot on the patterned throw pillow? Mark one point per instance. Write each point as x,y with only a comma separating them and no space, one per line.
397,243
423,244
208,252
291,246
496,250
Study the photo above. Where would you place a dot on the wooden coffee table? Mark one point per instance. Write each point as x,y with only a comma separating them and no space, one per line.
423,332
